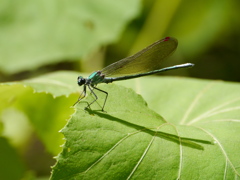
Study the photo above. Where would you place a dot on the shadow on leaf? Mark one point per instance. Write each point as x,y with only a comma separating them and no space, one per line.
189,142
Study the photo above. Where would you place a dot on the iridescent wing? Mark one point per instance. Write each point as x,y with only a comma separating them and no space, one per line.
146,60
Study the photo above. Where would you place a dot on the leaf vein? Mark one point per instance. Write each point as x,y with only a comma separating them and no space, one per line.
193,104
222,149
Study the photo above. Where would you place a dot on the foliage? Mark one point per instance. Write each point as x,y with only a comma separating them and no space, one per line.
131,140
46,32
177,128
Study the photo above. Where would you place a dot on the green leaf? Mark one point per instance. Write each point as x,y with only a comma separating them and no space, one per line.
35,33
46,101
61,83
133,141
173,140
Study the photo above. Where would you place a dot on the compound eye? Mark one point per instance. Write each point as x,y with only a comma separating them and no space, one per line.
81,80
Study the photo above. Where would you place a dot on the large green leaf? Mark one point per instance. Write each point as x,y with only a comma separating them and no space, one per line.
173,140
132,141
35,33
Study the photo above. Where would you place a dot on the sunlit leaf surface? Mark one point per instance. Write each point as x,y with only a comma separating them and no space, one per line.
131,141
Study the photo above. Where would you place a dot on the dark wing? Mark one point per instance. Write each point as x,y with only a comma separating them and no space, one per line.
146,60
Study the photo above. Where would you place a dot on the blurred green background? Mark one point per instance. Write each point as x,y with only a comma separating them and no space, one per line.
41,36
44,36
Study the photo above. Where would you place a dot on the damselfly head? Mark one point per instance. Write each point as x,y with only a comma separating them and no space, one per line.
81,80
